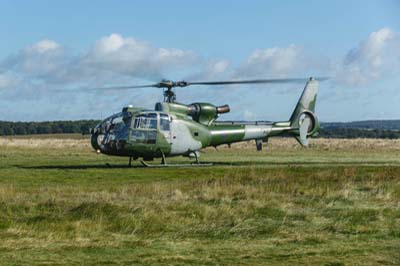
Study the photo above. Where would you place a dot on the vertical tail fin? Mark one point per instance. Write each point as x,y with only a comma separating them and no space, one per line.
303,121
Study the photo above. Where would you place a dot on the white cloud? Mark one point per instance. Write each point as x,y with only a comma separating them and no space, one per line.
219,66
371,59
128,56
43,46
275,61
40,60
211,70
371,50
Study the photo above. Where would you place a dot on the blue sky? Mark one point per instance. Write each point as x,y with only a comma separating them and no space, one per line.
52,51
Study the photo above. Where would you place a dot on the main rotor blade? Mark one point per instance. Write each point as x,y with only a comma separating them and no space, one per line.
171,84
127,87
255,81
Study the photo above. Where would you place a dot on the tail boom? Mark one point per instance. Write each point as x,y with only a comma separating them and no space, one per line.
302,124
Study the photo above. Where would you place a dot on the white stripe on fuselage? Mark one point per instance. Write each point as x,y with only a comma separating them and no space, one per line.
256,132
226,132
250,131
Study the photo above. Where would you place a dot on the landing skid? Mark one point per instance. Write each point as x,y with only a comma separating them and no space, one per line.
175,165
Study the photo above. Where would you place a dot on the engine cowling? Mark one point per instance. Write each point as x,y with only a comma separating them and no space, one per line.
205,113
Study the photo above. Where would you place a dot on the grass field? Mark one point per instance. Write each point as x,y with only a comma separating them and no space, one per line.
336,203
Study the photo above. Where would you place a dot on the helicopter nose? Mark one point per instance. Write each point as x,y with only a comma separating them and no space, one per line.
94,140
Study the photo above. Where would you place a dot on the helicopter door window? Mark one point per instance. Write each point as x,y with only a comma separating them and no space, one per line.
164,122
145,121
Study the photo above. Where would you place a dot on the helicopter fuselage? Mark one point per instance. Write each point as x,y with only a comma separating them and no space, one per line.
152,134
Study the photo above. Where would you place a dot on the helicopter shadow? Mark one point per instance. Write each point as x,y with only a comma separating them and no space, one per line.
77,167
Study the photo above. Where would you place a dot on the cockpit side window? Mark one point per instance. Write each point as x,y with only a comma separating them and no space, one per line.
121,126
146,121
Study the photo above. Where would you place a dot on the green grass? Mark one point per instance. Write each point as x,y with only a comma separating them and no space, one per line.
329,205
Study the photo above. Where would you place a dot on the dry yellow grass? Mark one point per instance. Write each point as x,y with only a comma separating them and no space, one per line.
273,144
44,143
325,144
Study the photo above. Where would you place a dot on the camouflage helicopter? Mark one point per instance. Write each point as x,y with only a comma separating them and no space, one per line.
176,129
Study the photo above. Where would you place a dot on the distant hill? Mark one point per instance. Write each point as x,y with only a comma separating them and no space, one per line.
367,124
387,129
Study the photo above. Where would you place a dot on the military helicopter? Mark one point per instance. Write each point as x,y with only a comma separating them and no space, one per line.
177,129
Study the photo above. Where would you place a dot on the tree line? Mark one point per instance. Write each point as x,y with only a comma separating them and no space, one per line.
49,127
366,124
328,130
353,133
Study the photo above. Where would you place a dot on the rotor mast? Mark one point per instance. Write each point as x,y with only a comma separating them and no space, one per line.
169,95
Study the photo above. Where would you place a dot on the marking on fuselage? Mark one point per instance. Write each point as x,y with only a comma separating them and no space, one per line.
182,140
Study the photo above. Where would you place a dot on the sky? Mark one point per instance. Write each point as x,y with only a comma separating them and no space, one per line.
54,54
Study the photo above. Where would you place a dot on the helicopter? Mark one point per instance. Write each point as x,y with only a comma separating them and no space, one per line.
177,129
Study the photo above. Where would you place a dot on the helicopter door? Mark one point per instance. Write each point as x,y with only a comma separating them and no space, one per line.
165,126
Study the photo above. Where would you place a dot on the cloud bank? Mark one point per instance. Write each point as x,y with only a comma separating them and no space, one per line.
376,57
114,57
35,72
109,58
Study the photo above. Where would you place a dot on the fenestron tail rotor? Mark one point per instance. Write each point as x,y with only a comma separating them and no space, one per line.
170,96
